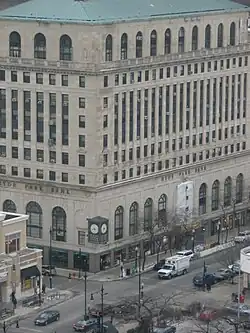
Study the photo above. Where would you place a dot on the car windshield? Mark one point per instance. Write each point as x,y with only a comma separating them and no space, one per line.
243,233
167,267
43,315
180,253
221,270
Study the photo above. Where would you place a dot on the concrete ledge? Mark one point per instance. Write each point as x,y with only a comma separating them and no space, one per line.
217,248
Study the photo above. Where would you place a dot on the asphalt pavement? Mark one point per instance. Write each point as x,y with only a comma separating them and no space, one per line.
73,309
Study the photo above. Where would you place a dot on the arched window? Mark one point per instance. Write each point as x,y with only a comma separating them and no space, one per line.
59,224
138,46
208,37
119,222
220,35
15,45
203,199
108,48
181,40
124,46
153,43
34,225
162,210
148,214
9,206
239,188
133,219
232,33
215,195
195,38
66,50
40,46
228,192
167,41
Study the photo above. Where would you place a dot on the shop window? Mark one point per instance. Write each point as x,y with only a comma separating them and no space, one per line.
60,258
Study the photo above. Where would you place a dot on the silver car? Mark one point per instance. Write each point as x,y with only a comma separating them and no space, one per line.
244,309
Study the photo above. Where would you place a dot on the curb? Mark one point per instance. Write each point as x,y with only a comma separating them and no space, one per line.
16,317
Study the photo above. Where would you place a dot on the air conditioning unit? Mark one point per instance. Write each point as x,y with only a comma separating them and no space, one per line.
52,122
52,103
167,113
39,101
27,100
51,142
40,159
65,103
52,161
13,99
146,117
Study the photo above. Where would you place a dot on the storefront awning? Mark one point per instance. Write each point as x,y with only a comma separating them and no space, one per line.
30,272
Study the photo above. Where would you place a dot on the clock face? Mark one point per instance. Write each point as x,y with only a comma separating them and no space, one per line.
94,229
104,228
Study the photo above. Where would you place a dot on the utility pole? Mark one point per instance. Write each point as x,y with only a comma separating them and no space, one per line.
85,290
50,258
80,262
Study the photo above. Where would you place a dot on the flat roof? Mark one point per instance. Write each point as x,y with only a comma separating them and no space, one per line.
110,11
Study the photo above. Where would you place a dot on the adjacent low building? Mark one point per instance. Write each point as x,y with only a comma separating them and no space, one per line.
245,266
19,266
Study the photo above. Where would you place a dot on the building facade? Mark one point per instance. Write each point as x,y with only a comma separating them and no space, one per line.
19,266
108,127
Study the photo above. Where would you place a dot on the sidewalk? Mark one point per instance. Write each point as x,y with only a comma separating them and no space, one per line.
51,298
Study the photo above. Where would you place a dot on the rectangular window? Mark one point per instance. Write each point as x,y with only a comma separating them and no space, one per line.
82,102
81,238
26,172
82,81
52,79
81,160
12,243
14,171
2,151
105,102
65,80
27,154
81,179
52,176
3,169
14,152
39,78
40,155
81,140
65,177
65,158
105,81
26,77
81,121
13,76
2,75
105,141
39,174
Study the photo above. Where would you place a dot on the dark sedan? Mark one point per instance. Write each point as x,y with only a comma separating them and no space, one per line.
47,317
84,325
159,265
199,280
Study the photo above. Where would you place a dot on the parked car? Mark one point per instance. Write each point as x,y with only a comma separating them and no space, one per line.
159,265
223,274
242,236
235,267
84,325
186,253
208,278
244,309
47,317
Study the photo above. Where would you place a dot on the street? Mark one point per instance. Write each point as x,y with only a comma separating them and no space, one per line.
73,309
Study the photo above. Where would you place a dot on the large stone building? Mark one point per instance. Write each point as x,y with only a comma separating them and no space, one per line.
20,267
113,113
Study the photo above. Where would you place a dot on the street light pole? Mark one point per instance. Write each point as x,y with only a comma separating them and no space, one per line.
85,290
102,297
140,285
100,317
80,262
50,258
193,239
218,231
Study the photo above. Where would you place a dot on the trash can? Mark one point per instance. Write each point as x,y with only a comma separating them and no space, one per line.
127,271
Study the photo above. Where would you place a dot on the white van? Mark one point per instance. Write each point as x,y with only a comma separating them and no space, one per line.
174,266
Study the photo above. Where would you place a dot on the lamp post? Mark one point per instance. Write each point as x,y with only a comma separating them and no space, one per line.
85,289
80,262
50,258
140,283
100,316
164,241
193,239
218,231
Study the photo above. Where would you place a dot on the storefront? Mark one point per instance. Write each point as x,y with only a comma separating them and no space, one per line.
81,261
60,258
29,277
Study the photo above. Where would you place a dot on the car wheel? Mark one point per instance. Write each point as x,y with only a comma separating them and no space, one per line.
159,277
46,323
184,272
57,318
170,276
